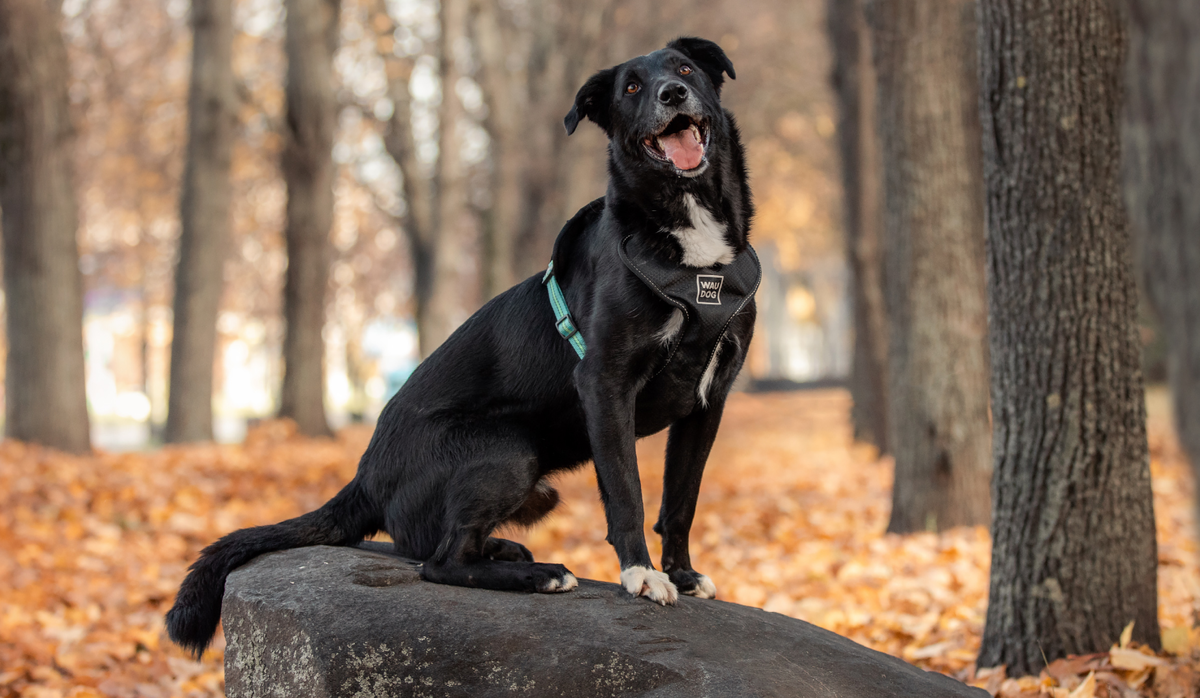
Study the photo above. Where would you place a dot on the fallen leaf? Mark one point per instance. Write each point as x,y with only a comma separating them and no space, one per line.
1126,635
1087,689
1133,660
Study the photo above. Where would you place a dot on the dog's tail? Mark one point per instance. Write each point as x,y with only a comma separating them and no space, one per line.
344,520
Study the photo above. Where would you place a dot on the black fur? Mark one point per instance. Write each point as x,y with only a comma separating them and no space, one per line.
469,441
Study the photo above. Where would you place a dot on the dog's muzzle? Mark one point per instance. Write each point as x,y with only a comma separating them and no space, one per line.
683,142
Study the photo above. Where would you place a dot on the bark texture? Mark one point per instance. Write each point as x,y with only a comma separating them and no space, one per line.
312,36
204,222
45,400
1073,555
862,186
1162,178
925,58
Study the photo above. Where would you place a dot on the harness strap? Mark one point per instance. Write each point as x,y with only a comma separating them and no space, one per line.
562,315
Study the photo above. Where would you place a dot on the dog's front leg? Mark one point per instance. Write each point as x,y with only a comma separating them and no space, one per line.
688,446
609,410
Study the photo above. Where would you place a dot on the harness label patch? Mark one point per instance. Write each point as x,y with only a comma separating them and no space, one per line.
708,289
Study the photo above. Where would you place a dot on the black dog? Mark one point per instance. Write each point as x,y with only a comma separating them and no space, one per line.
660,279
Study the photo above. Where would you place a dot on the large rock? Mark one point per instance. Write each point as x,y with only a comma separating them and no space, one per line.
323,622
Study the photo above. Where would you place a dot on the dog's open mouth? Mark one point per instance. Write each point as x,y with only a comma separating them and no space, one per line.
681,143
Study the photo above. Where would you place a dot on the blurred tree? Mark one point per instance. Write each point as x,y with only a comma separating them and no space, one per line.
1162,175
44,290
505,49
204,222
312,38
929,128
533,57
417,188
451,215
436,217
854,85
1074,556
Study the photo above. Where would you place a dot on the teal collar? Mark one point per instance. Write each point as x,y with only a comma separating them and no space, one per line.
563,321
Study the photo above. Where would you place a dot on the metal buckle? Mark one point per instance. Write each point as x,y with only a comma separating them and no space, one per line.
571,330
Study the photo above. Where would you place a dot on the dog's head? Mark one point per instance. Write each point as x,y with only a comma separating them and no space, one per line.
664,107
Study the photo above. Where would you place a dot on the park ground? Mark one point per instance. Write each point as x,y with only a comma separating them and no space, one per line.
791,518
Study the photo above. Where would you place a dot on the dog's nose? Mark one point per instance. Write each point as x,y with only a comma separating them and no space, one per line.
673,93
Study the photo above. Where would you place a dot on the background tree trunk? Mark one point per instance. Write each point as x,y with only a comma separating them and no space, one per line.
417,189
504,54
933,262
1162,178
204,222
1073,556
436,219
441,313
45,399
854,88
312,35
532,60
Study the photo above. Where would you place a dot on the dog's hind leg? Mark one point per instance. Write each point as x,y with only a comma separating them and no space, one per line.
464,563
541,500
501,486
506,550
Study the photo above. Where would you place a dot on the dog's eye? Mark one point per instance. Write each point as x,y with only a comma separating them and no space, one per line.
632,88
685,70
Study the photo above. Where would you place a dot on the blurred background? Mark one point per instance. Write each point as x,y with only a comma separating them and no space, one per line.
277,208
517,65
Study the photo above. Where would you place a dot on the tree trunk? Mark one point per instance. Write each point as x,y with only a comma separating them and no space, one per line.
439,316
854,87
204,222
436,214
417,220
933,262
1162,177
312,35
45,399
1073,555
504,57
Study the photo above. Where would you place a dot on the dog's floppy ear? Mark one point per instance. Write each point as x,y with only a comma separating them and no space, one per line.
707,56
593,101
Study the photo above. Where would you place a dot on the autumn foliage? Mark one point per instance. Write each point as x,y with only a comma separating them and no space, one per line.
791,518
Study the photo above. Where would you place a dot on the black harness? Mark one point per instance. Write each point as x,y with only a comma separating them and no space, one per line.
708,297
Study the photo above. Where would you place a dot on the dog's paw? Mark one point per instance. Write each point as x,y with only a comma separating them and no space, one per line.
553,579
506,550
693,583
649,582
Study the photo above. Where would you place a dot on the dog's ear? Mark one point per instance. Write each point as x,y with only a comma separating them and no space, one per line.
593,101
707,56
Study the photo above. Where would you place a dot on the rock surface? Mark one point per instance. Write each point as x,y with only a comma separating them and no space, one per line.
324,622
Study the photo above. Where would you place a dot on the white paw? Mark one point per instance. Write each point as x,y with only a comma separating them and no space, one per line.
649,582
704,589
567,583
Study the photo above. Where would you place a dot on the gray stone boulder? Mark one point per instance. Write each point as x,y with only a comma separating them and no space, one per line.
324,622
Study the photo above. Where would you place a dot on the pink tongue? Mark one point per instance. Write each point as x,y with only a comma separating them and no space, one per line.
683,149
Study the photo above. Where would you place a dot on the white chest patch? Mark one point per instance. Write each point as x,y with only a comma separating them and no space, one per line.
703,242
667,334
706,380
